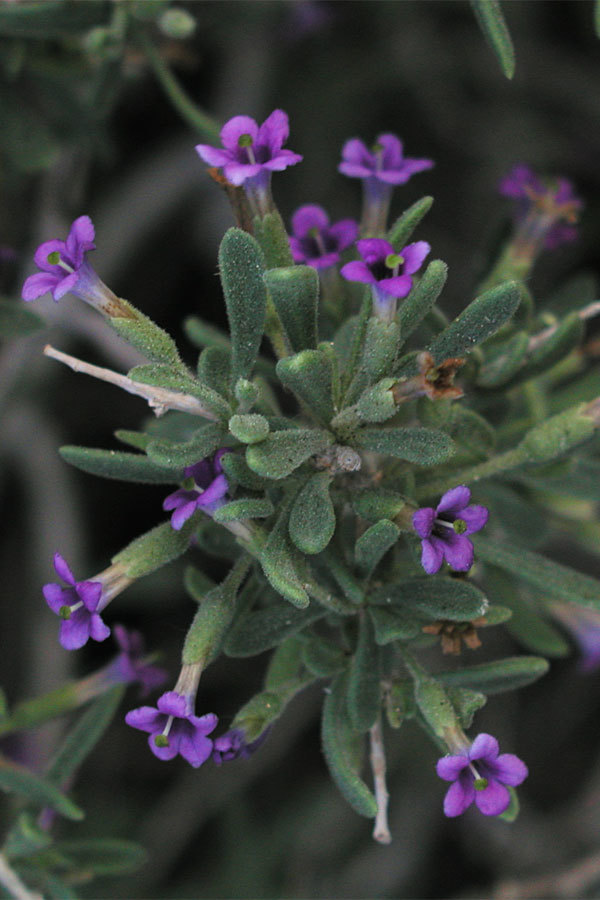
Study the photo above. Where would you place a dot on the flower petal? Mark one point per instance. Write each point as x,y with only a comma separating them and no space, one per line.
414,254
179,498
62,569
39,284
146,718
454,500
344,233
475,517
40,257
450,767
458,551
80,239
355,154
485,746
173,704
274,131
308,217
398,286
213,492
432,555
181,515
374,250
283,159
75,632
423,521
509,769
90,592
64,285
459,797
57,596
237,173
357,271
204,724
99,630
213,156
392,150
235,128
164,753
195,748
493,800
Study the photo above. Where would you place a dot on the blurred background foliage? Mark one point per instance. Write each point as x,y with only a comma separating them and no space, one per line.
87,128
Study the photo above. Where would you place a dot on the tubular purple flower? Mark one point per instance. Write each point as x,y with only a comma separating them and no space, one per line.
65,269
250,153
388,273
81,602
443,530
131,665
172,725
208,494
381,168
546,210
584,626
317,243
479,774
233,745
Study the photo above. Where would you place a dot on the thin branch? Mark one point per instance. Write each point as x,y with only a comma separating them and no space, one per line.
381,829
13,884
587,312
159,399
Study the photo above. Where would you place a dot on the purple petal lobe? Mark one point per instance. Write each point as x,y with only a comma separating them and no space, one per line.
485,746
458,551
236,128
173,704
37,285
509,769
414,254
213,156
195,748
146,718
450,767
56,596
99,631
432,555
275,130
423,521
164,753
357,271
398,286
62,569
459,797
308,217
475,517
74,633
493,800
455,500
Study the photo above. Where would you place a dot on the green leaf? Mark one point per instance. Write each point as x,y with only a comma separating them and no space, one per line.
25,837
241,263
567,336
16,320
295,294
373,544
283,451
498,676
196,583
146,336
393,624
82,739
214,616
364,687
422,298
466,703
322,657
310,375
552,578
312,519
373,504
119,465
341,750
179,454
285,663
182,383
405,224
503,361
236,469
39,791
250,428
493,25
482,318
214,369
244,508
280,560
266,628
137,439
273,240
510,814
437,597
102,856
422,446
155,548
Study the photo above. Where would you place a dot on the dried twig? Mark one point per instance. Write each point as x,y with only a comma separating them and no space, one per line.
381,829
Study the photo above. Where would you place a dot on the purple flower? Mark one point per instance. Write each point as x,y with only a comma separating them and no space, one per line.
381,168
545,209
584,625
77,605
481,775
232,745
208,493
388,273
317,243
130,665
174,729
443,530
251,152
65,269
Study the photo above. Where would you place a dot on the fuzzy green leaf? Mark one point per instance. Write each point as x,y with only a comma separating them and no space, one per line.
374,544
119,465
310,375
393,624
342,751
364,688
244,508
214,369
295,294
241,263
377,503
236,469
421,446
182,383
312,519
41,792
503,360
322,657
179,454
437,597
498,676
266,628
493,25
154,549
406,223
146,336
250,428
422,298
283,451
482,318
102,856
279,561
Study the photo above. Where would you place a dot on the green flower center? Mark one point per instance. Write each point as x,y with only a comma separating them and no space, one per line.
245,140
393,260
480,784
161,740
54,258
460,526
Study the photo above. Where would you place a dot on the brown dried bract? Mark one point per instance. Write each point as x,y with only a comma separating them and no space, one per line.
454,634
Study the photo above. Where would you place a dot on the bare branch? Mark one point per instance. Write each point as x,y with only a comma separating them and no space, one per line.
381,830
